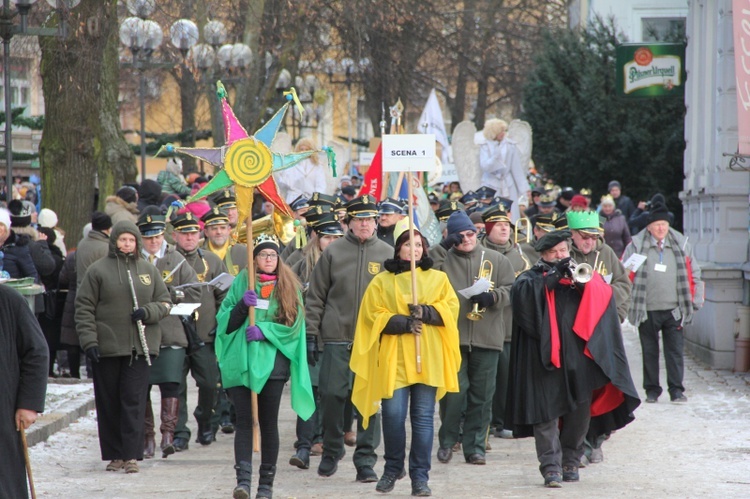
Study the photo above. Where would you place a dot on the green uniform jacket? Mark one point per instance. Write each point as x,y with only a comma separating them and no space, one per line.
235,258
462,268
338,283
250,363
172,331
211,297
104,301
610,265
91,248
294,257
520,263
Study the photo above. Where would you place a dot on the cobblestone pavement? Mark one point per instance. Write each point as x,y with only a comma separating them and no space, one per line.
699,449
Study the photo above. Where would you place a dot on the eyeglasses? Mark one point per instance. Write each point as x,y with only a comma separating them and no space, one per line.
268,256
587,236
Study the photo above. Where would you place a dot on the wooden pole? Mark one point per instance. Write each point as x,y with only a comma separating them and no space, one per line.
413,264
251,316
28,461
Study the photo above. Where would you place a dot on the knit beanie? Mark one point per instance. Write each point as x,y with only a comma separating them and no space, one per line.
614,183
100,221
459,221
579,201
47,218
658,213
265,241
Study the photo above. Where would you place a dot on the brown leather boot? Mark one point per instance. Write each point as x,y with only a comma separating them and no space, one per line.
169,413
149,444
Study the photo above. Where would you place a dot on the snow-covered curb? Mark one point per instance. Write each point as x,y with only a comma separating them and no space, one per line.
65,403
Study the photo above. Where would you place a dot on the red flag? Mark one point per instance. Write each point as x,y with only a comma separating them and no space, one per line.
373,182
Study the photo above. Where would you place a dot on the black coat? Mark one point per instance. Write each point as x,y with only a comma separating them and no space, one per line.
67,281
17,259
23,383
538,391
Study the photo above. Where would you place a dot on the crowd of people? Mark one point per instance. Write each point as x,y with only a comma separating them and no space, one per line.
510,325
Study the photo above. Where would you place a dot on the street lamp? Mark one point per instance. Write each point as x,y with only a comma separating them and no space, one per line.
7,31
143,37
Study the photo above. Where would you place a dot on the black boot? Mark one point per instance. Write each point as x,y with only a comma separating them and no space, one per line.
205,434
301,459
244,476
265,481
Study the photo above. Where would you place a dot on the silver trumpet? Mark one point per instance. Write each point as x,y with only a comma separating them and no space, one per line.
581,272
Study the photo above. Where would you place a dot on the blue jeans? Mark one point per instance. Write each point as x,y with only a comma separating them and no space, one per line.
422,430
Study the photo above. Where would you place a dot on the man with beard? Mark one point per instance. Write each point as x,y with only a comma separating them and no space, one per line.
568,361
218,241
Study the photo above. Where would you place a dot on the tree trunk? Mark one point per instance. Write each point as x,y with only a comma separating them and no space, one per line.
82,138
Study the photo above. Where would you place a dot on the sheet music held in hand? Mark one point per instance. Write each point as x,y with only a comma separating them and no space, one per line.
478,287
220,282
184,308
634,262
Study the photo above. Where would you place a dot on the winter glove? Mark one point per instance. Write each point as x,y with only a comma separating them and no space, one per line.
253,333
400,324
138,315
484,300
312,350
250,299
415,311
552,278
451,240
563,267
92,353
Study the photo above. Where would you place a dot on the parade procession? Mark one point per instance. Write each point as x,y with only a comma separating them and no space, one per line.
353,249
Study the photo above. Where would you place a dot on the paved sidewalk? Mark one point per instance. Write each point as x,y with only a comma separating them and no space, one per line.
700,449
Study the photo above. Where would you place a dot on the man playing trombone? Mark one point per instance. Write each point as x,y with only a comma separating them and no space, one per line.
480,326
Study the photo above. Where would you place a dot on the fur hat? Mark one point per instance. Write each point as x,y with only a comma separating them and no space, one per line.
127,194
20,215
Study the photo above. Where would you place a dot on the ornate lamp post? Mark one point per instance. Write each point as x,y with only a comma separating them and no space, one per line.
7,31
143,37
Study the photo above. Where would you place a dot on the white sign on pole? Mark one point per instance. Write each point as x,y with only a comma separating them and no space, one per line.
409,153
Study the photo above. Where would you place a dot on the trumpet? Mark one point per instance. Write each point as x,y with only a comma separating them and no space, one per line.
526,223
581,272
485,271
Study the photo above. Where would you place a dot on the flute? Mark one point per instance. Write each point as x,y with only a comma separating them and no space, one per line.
139,323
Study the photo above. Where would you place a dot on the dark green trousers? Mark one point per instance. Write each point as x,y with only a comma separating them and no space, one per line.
202,366
501,388
335,389
476,380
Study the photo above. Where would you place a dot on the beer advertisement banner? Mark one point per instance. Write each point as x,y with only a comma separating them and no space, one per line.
650,70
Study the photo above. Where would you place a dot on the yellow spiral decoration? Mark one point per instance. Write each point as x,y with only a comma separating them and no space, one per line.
248,162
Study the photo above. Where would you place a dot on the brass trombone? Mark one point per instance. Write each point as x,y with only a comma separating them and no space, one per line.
526,231
485,271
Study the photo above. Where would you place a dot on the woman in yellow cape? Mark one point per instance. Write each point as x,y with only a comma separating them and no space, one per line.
384,357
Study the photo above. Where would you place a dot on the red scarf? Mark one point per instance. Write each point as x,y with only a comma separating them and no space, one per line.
267,283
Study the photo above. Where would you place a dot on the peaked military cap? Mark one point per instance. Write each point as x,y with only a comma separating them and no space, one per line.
319,198
546,222
446,208
469,198
485,192
505,202
185,222
317,213
561,222
547,199
495,213
328,225
362,207
299,203
215,217
225,199
151,225
392,205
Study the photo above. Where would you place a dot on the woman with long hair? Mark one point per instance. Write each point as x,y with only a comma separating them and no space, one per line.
261,357
384,356
310,432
